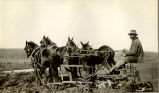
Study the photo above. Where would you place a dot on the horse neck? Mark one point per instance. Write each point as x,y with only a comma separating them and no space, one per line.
60,50
50,43
51,46
74,48
35,49
86,50
35,46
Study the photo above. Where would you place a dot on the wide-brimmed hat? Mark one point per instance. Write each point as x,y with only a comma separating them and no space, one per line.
132,32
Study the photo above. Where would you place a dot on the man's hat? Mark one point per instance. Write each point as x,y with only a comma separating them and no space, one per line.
133,32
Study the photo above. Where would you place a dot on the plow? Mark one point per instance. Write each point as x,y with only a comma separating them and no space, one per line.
127,77
82,70
85,68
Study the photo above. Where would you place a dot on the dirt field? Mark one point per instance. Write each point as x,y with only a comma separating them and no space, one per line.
11,59
25,82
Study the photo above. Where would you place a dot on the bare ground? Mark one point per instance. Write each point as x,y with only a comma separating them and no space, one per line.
25,82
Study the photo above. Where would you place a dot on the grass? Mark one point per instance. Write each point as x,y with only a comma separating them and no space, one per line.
12,55
13,59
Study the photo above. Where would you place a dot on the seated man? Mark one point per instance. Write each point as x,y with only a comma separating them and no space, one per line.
134,55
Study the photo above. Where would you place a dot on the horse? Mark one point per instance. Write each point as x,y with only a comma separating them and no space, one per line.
50,51
40,64
47,43
86,46
72,50
98,57
33,50
51,47
86,49
63,52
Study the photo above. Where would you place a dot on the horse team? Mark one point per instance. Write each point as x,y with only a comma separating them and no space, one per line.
47,57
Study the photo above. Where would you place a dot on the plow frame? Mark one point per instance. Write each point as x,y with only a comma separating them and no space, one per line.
83,83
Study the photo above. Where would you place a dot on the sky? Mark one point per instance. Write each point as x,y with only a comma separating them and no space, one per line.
101,22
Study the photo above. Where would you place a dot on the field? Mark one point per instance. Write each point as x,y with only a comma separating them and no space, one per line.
11,59
16,56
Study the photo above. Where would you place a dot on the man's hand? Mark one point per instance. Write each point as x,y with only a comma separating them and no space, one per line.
124,55
125,50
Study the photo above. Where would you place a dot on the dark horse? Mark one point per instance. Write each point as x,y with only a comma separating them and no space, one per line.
49,51
63,53
47,43
98,57
39,63
72,52
33,50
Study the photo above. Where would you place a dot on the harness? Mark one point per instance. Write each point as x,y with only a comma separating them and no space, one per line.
75,49
35,51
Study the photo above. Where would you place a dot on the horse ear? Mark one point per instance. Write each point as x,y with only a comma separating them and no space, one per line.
72,38
88,42
81,43
26,41
44,37
68,38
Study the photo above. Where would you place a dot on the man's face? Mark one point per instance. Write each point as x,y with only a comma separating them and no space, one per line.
132,37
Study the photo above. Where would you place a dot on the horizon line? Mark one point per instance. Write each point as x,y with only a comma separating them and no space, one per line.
114,49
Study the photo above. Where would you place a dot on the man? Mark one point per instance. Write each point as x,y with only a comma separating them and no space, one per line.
134,55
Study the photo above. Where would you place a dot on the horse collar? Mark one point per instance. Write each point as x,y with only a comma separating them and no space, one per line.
34,50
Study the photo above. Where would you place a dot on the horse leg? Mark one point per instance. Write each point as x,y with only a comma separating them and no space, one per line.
43,75
47,74
84,63
111,62
74,72
51,74
79,69
36,77
80,72
91,69
55,74
86,69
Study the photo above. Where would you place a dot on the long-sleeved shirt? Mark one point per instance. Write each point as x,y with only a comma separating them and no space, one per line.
136,50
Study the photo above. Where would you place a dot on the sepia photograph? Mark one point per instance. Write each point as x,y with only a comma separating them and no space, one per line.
78,46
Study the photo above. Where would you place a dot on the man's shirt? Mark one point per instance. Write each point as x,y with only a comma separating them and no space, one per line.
136,50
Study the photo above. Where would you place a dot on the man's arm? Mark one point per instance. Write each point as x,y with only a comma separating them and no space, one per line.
133,49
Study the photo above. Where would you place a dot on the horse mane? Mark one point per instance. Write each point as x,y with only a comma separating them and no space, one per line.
86,46
104,47
49,42
46,52
32,44
72,44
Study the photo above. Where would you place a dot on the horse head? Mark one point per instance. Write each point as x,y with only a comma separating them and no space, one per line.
43,42
29,48
71,47
46,42
70,43
86,46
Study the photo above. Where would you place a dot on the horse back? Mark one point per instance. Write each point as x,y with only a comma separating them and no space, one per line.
110,50
105,48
